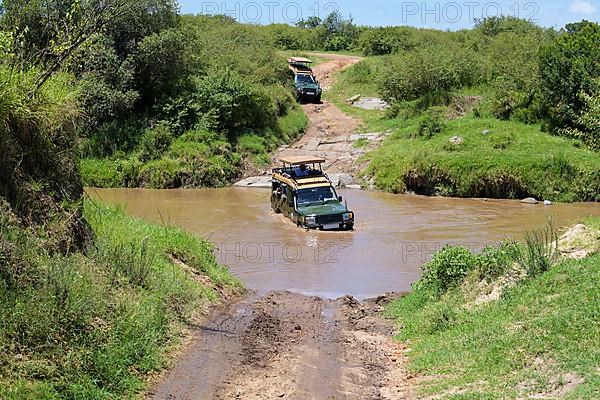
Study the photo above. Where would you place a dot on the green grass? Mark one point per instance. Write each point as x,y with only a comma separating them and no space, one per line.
511,160
94,326
523,344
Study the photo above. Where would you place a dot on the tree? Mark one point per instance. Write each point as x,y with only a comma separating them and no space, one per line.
309,23
569,69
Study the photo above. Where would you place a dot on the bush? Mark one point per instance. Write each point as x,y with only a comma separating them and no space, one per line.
569,69
236,104
432,123
430,69
446,270
163,173
155,142
494,262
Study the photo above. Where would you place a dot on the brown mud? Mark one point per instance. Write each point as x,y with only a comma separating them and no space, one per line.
291,346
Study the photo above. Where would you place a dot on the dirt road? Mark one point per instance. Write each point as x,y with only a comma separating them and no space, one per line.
291,346
331,133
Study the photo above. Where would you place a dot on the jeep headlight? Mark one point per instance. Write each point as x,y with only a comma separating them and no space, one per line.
310,220
348,216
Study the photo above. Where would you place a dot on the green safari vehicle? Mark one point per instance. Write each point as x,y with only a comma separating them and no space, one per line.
305,82
304,193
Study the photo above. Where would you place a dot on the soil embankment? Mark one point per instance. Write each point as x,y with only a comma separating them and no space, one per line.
291,346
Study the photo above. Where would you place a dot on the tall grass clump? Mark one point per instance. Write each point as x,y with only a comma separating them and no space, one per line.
92,326
39,176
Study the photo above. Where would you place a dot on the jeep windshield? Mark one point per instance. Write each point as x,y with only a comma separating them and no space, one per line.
316,195
305,79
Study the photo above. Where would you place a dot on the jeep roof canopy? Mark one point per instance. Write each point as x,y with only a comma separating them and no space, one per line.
292,161
299,60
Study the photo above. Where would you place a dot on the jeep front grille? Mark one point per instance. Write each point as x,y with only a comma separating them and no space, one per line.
329,219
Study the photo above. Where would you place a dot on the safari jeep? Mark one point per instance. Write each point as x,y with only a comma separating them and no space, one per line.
305,82
302,192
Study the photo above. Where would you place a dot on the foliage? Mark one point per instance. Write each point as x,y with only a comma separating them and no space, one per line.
38,167
512,73
432,123
92,326
107,82
498,25
447,269
510,160
588,130
162,65
569,69
155,142
538,333
427,70
235,104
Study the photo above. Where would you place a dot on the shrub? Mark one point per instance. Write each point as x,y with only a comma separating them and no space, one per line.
569,68
446,270
426,70
494,262
161,174
155,142
432,123
237,104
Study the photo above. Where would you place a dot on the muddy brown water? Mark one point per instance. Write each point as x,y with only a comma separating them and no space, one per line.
394,236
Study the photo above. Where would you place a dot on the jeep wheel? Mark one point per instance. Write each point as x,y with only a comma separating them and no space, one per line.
319,99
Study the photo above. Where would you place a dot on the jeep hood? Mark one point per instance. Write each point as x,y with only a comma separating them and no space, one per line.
323,209
307,86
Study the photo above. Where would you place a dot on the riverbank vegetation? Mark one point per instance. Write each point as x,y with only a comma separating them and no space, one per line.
516,321
91,301
94,324
487,112
167,100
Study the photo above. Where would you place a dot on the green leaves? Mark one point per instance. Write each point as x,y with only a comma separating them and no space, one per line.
446,270
569,70
437,68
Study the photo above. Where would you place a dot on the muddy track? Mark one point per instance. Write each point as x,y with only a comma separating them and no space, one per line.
291,346
330,134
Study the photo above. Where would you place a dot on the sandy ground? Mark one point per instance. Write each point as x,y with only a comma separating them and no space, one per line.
291,346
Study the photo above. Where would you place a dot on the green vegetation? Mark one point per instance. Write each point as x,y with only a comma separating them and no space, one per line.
169,100
91,326
91,301
470,112
513,322
494,159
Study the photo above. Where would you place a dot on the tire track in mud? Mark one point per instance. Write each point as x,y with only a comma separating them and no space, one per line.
291,346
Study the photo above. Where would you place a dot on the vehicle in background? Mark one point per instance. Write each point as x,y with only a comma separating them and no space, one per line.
306,83
304,193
